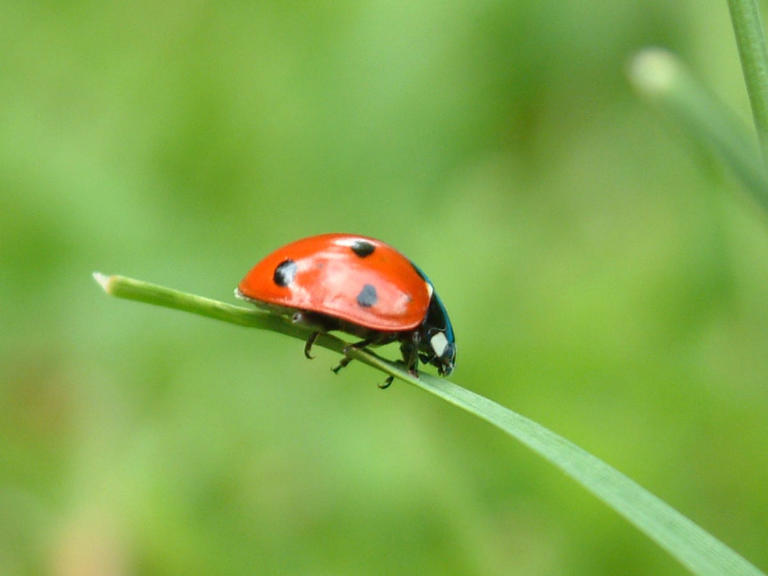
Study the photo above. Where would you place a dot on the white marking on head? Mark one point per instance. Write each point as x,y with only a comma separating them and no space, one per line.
439,343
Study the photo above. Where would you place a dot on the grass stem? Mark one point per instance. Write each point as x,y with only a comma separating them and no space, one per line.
663,79
695,548
750,39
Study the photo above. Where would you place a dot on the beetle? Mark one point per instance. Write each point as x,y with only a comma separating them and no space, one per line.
360,286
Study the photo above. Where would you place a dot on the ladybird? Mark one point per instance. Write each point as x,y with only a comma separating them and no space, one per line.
360,286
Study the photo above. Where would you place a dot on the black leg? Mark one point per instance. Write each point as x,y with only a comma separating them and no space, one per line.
409,350
308,345
342,363
346,360
387,383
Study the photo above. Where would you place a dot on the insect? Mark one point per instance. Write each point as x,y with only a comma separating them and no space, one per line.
360,286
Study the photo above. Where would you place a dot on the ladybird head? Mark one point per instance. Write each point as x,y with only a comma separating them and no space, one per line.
437,344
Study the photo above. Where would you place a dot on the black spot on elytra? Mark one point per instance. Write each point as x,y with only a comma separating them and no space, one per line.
285,272
367,296
362,248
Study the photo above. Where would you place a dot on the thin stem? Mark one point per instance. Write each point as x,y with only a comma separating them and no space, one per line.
748,28
661,77
698,550
141,291
695,548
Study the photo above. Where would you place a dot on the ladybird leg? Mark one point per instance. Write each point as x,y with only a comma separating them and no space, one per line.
410,349
342,363
346,360
387,383
308,345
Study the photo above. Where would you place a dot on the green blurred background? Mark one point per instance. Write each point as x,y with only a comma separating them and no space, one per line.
605,277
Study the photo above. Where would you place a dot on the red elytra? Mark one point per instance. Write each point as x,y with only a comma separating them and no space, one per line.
357,285
357,279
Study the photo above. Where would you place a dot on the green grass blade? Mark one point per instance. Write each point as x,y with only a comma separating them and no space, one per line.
660,76
748,28
698,550
695,548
